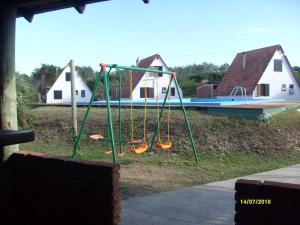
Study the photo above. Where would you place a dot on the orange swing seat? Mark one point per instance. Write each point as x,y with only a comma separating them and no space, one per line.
109,152
96,137
135,142
139,150
165,146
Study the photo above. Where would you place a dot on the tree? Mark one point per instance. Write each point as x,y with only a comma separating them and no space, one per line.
188,86
113,81
86,72
297,72
91,84
44,77
296,68
189,76
200,70
224,68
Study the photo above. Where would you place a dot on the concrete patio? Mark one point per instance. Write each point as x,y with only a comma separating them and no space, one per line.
209,204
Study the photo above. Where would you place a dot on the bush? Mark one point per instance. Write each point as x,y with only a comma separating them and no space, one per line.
25,96
188,86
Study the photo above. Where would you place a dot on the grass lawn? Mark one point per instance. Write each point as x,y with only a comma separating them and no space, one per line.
227,148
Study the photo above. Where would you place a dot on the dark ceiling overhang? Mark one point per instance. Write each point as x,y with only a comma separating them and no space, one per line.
28,8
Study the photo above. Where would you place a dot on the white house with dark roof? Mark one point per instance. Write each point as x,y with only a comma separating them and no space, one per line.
156,83
60,92
264,73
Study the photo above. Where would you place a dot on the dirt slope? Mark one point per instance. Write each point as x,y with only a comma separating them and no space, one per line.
211,133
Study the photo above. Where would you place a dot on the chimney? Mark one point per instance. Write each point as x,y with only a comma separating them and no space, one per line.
244,60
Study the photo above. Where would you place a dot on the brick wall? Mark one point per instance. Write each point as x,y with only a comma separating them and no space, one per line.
279,203
37,189
204,91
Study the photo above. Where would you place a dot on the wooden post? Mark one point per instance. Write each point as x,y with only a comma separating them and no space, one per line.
73,97
8,99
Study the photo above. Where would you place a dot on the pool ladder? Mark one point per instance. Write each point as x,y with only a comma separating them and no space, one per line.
235,91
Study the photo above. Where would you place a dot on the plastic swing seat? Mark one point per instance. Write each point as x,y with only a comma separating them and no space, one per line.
139,150
165,146
121,155
109,152
96,137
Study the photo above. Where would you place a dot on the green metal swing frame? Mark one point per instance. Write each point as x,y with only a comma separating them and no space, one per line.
106,74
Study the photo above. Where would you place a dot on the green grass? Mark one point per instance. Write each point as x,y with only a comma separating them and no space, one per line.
175,170
227,147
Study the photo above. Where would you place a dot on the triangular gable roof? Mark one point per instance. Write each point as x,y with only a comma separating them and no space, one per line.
76,74
256,63
137,75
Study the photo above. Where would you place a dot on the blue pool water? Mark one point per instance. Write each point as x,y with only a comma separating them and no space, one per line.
193,101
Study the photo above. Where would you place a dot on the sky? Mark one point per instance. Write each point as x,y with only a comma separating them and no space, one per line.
183,32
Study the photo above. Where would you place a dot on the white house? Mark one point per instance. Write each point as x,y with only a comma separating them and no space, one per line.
60,92
156,83
264,73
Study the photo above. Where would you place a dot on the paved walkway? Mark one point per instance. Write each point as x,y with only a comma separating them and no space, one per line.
209,204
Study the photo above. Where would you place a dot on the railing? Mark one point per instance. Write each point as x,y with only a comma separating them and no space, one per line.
236,90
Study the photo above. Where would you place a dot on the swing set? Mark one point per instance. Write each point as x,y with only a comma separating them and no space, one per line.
137,146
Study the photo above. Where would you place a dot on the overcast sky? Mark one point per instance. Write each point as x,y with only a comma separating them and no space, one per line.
182,32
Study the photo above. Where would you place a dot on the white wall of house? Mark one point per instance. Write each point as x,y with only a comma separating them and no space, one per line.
277,79
65,87
152,79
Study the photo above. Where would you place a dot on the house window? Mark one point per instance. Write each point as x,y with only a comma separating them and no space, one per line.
142,92
68,76
57,94
160,68
172,91
277,65
263,90
283,87
82,93
291,89
76,92
164,90
149,92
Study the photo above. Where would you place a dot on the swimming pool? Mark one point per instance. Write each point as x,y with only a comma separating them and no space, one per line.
192,102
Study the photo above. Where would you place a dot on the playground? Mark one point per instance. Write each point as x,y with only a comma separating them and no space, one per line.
227,147
137,145
163,147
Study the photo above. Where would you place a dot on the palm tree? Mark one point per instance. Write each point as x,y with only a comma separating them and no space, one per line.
25,96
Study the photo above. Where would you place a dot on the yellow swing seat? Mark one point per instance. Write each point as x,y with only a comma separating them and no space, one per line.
165,146
139,150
